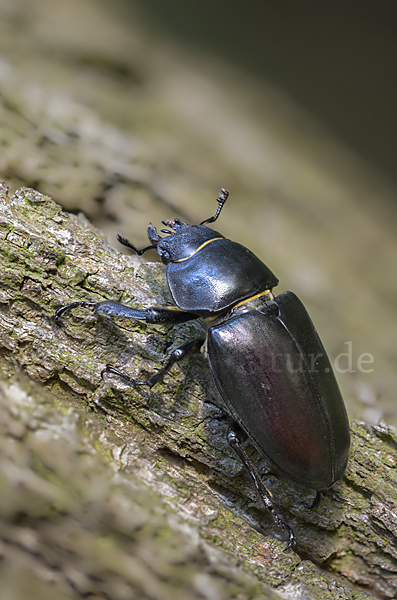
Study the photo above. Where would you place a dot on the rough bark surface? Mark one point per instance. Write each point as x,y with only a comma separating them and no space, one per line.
113,492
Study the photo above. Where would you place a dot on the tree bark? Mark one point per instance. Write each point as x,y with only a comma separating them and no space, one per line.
135,492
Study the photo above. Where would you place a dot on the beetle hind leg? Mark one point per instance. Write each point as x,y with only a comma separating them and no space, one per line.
315,502
235,437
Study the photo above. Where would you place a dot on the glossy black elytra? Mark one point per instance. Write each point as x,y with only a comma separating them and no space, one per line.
267,360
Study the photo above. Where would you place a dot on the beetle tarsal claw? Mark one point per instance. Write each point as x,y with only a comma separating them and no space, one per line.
315,502
291,536
291,542
110,369
130,380
67,307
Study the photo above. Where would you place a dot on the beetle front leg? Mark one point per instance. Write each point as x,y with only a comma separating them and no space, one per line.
153,315
235,437
177,355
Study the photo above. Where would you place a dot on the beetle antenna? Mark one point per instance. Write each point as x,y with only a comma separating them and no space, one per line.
222,197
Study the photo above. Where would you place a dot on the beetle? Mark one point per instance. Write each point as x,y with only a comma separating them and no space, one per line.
266,358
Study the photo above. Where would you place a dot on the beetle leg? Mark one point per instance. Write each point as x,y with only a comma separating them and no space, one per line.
315,502
127,243
67,307
154,315
234,439
177,355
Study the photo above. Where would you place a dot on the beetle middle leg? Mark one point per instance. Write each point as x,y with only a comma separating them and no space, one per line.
235,437
177,355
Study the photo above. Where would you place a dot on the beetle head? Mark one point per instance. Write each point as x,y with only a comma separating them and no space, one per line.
185,240
181,243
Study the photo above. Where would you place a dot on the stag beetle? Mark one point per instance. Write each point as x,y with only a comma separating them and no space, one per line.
265,355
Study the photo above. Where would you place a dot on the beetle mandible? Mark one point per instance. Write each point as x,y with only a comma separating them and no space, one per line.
265,355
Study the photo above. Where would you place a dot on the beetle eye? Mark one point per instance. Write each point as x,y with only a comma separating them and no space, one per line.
165,256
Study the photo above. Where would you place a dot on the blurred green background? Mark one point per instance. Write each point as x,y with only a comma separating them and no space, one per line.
337,60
